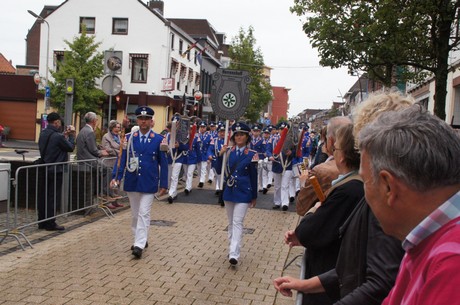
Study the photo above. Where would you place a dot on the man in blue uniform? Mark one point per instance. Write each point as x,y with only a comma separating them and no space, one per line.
213,155
257,145
202,165
146,168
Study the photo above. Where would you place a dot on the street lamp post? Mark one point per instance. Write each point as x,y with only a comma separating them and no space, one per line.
47,56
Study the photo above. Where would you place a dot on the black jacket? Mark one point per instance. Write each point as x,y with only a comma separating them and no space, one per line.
319,233
367,264
58,145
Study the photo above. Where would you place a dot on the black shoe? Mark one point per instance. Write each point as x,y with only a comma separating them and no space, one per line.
210,181
222,204
264,191
186,192
200,184
291,199
276,207
269,186
170,199
285,207
55,228
217,193
297,193
146,246
137,252
233,261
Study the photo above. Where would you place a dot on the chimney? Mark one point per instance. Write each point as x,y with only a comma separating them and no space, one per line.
157,5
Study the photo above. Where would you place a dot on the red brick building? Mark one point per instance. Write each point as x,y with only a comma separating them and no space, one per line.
280,104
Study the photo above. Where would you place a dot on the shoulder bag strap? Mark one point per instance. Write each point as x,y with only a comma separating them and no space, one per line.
347,179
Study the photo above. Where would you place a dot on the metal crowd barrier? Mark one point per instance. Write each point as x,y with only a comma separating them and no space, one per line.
82,184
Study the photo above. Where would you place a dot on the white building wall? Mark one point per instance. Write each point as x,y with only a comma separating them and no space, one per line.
147,34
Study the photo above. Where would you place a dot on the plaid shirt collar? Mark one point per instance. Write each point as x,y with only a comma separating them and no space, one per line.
433,222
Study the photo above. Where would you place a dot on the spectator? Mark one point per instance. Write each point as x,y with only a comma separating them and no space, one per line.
318,231
87,147
324,172
411,169
367,276
111,143
54,147
321,153
145,169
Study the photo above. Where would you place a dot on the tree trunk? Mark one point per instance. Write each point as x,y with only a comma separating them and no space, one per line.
442,67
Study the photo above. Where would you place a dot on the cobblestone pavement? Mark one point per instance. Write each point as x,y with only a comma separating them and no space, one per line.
185,263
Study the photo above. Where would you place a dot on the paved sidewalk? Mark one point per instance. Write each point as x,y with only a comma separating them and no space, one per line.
186,262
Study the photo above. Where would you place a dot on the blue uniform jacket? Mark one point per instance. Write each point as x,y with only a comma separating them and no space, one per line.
194,154
153,165
204,144
180,153
213,151
241,184
306,145
258,145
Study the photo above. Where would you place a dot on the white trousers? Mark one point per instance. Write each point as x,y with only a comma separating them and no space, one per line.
235,214
282,184
141,204
265,174
175,171
189,169
211,172
202,169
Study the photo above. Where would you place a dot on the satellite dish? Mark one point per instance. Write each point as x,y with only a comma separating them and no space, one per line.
111,85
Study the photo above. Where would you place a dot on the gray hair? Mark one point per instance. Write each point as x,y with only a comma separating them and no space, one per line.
415,146
90,116
334,124
113,124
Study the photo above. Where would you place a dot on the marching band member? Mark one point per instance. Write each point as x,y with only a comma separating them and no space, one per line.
193,157
202,164
177,157
212,135
282,174
240,191
146,169
267,165
213,155
257,145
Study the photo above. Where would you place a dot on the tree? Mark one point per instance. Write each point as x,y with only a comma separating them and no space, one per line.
391,40
85,65
244,56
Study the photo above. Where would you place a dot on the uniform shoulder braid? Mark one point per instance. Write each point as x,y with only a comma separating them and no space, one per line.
255,154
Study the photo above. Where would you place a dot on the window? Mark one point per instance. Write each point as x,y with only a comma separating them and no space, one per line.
139,64
90,23
120,26
181,45
58,59
172,41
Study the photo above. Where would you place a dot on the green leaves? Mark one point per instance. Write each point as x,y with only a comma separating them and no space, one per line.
85,65
380,36
245,56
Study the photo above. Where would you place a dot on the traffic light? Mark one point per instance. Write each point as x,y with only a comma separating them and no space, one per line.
69,86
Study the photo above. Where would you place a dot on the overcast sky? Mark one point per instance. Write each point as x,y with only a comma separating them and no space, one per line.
278,33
